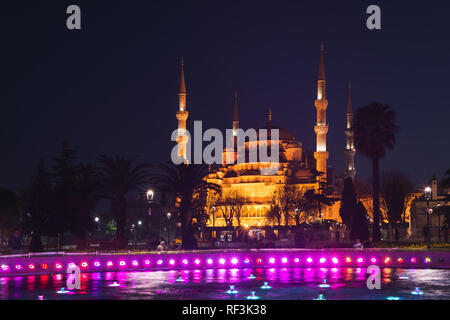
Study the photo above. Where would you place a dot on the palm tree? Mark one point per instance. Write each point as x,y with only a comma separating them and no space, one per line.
121,176
374,130
186,182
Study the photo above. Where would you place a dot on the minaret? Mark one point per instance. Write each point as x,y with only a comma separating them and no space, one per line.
349,146
182,116
321,128
235,115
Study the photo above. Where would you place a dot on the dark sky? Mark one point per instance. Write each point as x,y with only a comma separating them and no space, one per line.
111,88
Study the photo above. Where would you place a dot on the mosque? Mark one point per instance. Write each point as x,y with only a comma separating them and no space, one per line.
296,167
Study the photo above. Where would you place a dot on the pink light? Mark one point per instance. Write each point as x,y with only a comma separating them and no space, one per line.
296,260
171,262
360,260
387,260
322,260
272,260
259,260
44,266
222,261
373,260
84,264
159,261
197,261
335,260
5,267
400,260
185,261
122,263
234,261
309,260
348,260
31,266
97,264
147,262
247,260
209,261
135,263
109,263
58,266
18,267
413,260
284,260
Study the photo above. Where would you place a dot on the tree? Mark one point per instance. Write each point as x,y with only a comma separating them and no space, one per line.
38,206
185,182
359,225
9,210
274,214
120,176
374,130
348,202
396,188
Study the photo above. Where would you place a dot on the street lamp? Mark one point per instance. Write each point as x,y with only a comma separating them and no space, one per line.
150,194
169,215
427,194
439,220
96,219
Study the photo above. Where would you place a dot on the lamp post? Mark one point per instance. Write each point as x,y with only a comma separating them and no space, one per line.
439,220
213,208
427,194
169,215
150,194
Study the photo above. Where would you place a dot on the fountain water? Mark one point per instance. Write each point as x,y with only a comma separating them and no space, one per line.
324,284
266,286
417,291
232,290
252,296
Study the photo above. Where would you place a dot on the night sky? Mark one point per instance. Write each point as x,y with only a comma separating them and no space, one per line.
111,88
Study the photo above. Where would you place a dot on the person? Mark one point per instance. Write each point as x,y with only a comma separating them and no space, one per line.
357,244
162,246
370,243
16,242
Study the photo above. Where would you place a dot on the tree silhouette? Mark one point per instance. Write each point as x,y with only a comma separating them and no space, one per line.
374,132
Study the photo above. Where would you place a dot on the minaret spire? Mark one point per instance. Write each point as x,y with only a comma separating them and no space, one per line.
235,115
349,152
321,128
182,116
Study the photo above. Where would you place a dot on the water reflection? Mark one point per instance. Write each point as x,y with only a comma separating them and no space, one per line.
286,283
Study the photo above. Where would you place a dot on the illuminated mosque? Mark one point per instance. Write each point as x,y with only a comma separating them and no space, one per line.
296,165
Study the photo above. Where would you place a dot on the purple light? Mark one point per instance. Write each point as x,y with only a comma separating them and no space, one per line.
97,264
309,260
5,267
209,261
322,260
185,261
135,263
335,260
284,260
373,260
159,261
18,267
58,266
360,260
296,260
234,261
122,263
31,266
171,262
197,261
147,262
222,261
109,263
272,260
247,260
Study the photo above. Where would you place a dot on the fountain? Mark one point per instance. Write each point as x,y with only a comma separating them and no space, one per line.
41,298
324,284
251,276
393,298
63,291
417,291
232,290
179,279
320,296
266,286
403,277
114,284
252,296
